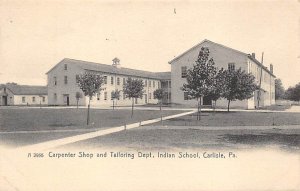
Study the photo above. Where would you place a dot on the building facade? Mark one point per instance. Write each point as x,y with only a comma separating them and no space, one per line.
224,57
62,84
13,94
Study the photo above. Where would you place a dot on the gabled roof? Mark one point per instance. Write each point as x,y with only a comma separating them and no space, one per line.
26,90
242,53
92,66
197,45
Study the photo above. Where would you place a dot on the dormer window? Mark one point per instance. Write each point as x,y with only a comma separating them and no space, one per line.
66,66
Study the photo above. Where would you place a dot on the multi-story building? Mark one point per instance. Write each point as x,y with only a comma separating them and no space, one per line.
62,83
224,57
13,94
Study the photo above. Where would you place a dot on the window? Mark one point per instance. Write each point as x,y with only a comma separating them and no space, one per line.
112,80
154,84
66,79
66,67
98,96
145,83
149,83
77,78
23,100
124,81
124,96
231,66
185,96
33,99
183,71
150,95
55,80
105,95
158,84
105,79
118,81
44,99
55,96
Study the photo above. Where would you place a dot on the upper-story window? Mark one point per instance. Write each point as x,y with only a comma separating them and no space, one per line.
44,99
112,80
33,99
183,71
77,78
149,83
66,66
55,80
105,79
145,83
66,79
124,81
23,100
118,81
231,66
154,84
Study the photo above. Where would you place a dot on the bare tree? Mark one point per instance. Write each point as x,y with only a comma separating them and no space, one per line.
90,84
133,89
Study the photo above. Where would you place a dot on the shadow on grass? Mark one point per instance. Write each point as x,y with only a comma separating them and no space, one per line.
289,140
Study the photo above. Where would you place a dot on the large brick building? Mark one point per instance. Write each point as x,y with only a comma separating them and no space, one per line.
224,57
62,85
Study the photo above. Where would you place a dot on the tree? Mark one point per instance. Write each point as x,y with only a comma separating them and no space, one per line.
238,85
217,87
293,93
78,95
115,95
90,84
279,90
133,89
200,78
159,94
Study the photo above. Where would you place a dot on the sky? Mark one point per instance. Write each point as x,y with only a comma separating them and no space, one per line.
36,35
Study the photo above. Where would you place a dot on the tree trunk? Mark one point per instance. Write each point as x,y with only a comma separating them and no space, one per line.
88,113
160,111
160,104
214,108
77,103
132,107
113,104
200,108
228,106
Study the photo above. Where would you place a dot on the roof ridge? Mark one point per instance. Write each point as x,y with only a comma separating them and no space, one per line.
205,40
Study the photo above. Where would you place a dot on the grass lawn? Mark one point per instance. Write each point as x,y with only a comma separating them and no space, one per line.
30,119
22,139
237,119
163,138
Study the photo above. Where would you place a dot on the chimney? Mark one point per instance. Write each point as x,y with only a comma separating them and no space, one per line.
116,62
253,55
271,68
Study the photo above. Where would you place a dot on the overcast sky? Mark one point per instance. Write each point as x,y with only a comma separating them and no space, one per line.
36,35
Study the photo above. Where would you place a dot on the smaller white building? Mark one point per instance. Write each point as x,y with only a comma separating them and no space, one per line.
13,94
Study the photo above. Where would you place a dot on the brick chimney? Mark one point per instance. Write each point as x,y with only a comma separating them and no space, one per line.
253,55
271,68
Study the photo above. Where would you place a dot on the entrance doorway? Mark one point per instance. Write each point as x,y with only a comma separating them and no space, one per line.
4,100
145,96
66,99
